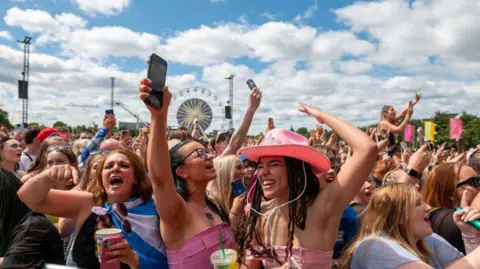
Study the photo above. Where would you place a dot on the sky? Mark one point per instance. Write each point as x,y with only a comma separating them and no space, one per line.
348,58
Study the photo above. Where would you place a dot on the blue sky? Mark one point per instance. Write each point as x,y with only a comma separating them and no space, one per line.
335,54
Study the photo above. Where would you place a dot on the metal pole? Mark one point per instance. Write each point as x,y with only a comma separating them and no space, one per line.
113,87
230,78
26,74
138,125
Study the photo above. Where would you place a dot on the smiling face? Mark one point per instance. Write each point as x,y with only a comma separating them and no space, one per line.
197,163
118,177
10,151
420,223
272,175
391,113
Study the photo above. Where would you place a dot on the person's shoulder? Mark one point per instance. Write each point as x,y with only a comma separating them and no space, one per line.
349,213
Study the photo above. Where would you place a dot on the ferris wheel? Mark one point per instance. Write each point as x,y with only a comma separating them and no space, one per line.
197,103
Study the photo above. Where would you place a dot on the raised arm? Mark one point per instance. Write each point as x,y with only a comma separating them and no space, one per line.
170,206
109,123
356,170
37,194
239,135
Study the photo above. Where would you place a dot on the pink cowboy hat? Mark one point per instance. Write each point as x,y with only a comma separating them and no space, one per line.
281,142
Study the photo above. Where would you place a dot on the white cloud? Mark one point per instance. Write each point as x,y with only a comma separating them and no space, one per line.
268,15
6,35
309,13
33,21
217,1
17,1
407,36
354,67
105,7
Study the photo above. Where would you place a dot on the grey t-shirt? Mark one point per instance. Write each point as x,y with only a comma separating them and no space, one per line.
385,253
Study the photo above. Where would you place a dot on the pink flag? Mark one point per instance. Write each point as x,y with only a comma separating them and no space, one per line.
408,133
456,128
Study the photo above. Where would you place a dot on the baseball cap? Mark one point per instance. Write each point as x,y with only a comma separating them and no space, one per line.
47,132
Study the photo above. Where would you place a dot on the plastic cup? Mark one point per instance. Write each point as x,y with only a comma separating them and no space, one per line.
104,233
229,262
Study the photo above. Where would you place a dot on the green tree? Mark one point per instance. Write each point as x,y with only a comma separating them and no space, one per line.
4,119
59,124
33,125
303,131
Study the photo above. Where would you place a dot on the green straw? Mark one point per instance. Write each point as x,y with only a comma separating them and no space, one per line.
220,240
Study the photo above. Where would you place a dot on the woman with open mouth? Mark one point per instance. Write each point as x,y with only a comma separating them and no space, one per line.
395,233
191,224
120,196
10,154
287,166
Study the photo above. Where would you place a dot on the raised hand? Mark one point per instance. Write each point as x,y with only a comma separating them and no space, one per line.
467,214
145,90
62,174
109,122
418,96
254,99
311,111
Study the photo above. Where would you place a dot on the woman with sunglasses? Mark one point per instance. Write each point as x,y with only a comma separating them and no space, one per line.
120,197
443,191
190,223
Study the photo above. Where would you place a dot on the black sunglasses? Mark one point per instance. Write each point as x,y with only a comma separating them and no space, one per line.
473,181
202,153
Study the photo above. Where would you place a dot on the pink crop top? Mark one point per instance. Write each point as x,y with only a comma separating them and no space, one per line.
196,251
306,258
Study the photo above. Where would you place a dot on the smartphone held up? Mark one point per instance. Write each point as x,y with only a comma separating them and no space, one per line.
157,73
251,84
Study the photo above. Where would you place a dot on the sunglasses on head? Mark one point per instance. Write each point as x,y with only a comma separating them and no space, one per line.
100,152
61,148
473,181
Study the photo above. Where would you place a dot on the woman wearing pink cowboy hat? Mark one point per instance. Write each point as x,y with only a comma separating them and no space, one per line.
286,177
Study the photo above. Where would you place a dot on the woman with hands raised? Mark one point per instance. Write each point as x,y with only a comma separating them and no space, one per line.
287,166
119,197
190,223
389,119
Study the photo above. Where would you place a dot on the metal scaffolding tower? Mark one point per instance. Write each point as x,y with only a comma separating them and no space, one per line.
113,88
23,84
230,78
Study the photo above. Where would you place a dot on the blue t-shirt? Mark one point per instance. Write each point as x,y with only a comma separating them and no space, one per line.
346,230
385,253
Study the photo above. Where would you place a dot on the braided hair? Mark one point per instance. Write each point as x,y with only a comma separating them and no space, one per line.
176,160
297,210
12,209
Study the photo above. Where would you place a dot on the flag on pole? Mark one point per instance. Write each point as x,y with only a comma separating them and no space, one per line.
408,133
430,130
456,128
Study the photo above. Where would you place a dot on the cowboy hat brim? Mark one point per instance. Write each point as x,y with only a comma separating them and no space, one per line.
304,153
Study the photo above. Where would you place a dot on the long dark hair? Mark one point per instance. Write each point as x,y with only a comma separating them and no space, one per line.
12,209
297,211
176,160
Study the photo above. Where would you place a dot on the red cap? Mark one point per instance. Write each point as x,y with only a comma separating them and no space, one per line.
47,132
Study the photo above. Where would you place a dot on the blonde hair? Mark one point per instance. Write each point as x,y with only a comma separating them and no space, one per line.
383,117
220,189
79,145
389,213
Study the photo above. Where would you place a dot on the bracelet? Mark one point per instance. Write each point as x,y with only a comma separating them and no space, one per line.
470,236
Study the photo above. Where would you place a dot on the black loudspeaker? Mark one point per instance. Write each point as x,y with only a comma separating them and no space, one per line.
228,112
23,89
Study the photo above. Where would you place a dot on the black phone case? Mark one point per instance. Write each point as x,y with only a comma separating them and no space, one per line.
156,95
251,84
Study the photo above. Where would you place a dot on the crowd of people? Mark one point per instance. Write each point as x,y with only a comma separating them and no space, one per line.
351,199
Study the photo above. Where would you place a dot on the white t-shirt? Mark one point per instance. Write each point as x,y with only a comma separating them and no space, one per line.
25,161
385,253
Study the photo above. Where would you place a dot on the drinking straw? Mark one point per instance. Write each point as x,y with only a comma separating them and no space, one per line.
220,240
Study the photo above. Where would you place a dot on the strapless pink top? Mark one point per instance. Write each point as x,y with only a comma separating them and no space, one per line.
196,251
306,258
